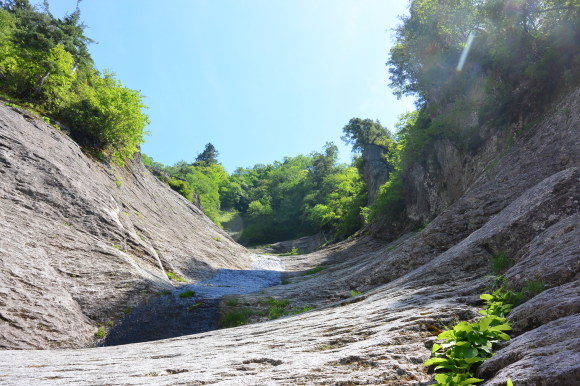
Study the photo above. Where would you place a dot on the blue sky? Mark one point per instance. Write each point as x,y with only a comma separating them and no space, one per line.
260,79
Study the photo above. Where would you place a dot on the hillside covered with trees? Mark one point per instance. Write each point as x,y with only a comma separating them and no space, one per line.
468,64
45,65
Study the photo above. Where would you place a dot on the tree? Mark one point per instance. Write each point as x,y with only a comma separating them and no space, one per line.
208,155
363,132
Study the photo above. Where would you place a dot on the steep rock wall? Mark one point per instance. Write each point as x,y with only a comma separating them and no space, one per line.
81,240
452,168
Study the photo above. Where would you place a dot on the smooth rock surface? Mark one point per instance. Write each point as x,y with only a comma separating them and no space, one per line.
81,241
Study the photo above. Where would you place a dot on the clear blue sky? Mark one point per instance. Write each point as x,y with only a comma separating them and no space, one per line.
260,79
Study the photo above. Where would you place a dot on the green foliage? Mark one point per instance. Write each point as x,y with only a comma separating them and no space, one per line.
355,293
299,196
208,155
276,308
187,294
467,345
101,332
174,277
293,252
107,116
390,201
532,288
281,307
234,318
363,132
45,61
313,271
500,302
500,263
181,187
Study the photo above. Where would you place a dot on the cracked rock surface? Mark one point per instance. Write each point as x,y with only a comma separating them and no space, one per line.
525,206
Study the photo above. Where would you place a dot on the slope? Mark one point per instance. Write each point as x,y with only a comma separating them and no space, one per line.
82,240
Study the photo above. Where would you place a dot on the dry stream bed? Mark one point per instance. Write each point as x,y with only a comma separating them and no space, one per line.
192,308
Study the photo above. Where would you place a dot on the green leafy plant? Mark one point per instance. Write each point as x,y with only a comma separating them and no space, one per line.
500,302
355,293
467,345
118,183
187,294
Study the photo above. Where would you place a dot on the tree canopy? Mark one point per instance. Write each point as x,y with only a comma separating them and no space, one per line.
45,64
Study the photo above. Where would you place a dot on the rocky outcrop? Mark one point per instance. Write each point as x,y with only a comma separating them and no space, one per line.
525,204
81,240
375,169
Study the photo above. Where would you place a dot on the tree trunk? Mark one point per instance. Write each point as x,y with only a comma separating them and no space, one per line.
41,83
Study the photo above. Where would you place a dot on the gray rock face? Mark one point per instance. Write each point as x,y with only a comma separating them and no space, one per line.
81,241
305,244
525,205
375,171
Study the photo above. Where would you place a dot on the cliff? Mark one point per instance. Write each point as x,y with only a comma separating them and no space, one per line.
82,240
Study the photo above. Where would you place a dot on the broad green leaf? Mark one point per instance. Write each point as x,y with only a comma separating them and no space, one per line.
470,381
509,382
449,334
470,353
486,297
435,361
503,336
473,360
501,327
463,326
435,347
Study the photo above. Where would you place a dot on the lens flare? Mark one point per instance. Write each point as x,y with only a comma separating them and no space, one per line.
465,51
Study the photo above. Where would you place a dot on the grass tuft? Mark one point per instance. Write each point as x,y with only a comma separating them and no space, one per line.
187,294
